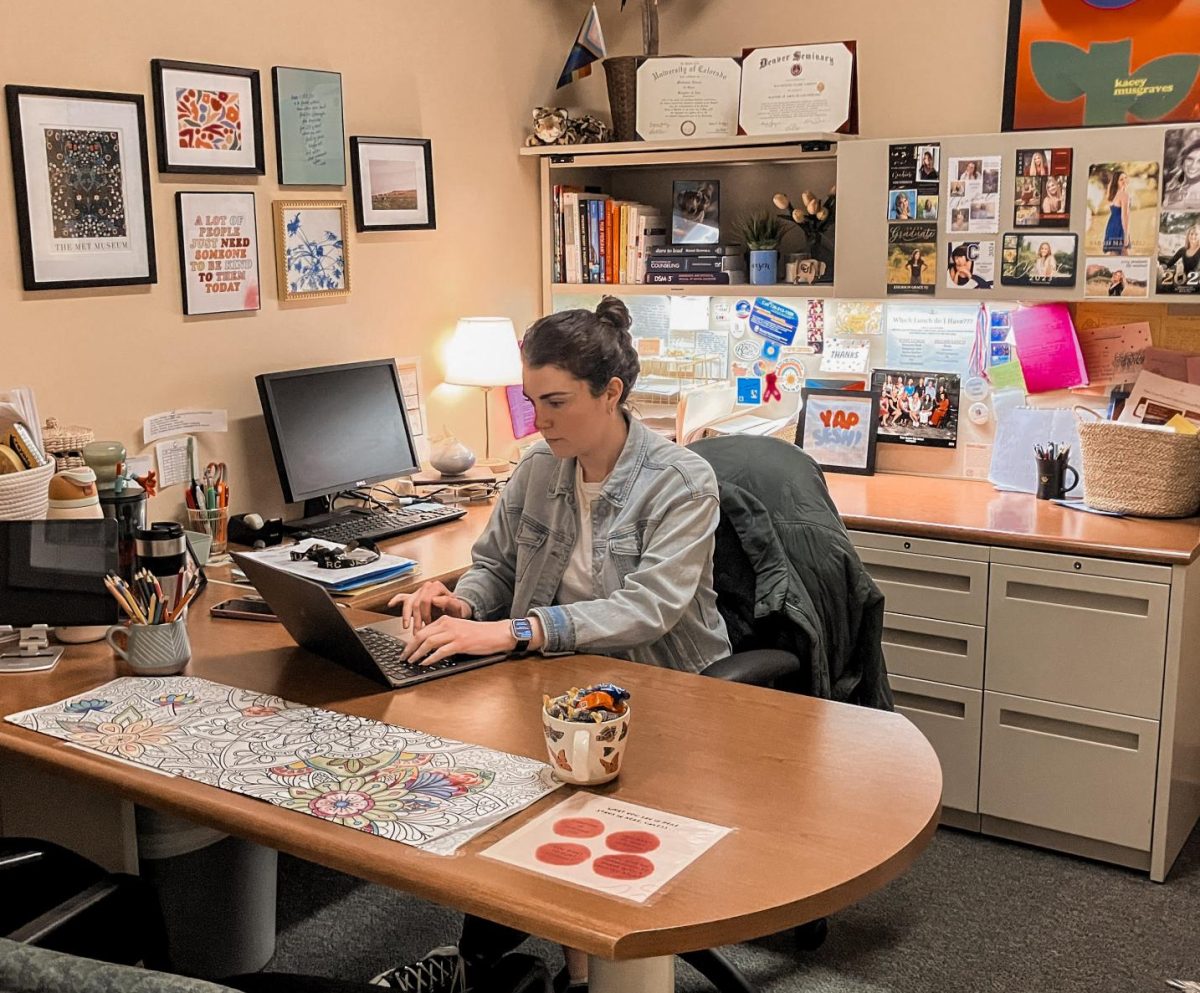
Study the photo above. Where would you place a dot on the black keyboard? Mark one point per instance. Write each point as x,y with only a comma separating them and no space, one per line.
385,652
380,524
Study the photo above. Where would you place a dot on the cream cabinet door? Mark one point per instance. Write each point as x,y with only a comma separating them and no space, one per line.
929,585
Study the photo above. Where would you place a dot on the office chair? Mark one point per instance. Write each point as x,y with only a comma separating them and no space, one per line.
802,614
80,929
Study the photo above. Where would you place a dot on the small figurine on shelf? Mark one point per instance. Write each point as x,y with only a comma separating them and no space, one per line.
125,479
556,126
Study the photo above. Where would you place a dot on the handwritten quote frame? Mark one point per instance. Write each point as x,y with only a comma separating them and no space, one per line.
838,429
310,135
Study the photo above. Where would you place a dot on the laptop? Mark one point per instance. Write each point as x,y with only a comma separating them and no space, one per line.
312,618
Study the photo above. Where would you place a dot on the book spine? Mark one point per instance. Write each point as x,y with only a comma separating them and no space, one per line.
570,208
698,250
594,240
602,228
689,263
652,233
556,275
696,278
585,257
631,243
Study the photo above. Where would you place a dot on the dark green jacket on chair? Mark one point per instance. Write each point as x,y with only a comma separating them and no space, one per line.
786,573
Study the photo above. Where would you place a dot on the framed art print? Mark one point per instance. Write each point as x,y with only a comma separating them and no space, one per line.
208,118
393,183
838,429
218,252
82,178
312,257
917,407
309,135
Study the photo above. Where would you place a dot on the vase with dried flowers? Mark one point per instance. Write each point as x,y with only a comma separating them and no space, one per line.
814,217
762,233
620,72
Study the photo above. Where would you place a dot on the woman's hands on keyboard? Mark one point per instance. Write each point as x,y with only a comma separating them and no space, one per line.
428,602
448,636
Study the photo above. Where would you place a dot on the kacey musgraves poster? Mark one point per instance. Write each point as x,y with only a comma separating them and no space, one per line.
1098,63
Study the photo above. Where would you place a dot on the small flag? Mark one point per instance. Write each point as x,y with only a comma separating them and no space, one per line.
588,47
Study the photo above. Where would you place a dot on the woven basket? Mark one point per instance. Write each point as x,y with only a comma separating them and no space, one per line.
620,72
25,496
66,443
1129,469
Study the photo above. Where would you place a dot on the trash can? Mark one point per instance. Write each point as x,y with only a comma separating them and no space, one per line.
217,895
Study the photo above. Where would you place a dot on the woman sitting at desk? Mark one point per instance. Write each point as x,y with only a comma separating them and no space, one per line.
602,542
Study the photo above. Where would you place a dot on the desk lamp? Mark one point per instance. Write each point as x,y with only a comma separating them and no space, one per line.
484,353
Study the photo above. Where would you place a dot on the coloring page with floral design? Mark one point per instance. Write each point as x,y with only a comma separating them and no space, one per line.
409,786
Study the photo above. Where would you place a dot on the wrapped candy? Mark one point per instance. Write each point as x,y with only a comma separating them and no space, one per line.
601,702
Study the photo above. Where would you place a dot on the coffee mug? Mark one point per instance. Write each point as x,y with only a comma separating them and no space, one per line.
1051,479
586,753
809,270
153,649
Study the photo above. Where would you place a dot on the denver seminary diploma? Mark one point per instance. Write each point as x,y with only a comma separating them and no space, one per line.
797,89
687,98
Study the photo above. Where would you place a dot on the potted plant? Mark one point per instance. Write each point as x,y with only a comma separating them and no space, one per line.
762,232
814,216
620,72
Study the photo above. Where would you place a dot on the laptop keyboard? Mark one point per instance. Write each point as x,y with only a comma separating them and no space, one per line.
386,651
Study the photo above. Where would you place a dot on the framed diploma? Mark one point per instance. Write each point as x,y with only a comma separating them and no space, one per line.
687,98
796,89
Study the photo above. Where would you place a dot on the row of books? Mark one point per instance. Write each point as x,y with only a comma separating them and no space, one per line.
696,265
601,240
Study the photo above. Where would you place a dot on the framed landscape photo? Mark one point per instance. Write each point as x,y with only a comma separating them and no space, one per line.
309,135
312,250
393,183
82,177
208,118
838,429
218,252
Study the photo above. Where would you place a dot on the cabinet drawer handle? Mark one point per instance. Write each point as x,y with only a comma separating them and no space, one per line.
1110,603
919,577
926,642
930,704
1068,729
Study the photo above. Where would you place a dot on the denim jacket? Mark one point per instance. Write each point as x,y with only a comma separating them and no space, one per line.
653,528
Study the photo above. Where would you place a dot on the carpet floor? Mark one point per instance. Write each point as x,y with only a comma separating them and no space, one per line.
974,915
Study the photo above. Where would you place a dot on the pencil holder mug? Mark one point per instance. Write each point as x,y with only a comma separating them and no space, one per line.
152,649
1051,479
586,753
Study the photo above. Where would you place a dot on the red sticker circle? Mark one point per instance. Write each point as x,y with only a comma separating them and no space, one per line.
562,853
623,866
632,841
578,827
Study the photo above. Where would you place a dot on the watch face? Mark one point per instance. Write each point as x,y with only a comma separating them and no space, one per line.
522,628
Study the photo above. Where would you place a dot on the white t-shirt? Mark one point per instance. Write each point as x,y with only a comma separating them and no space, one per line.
576,584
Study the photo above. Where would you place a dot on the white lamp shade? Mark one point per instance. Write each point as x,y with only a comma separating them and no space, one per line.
483,352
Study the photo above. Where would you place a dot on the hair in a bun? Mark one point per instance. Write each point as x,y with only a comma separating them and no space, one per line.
593,346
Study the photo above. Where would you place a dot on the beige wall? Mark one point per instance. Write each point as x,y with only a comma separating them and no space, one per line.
465,74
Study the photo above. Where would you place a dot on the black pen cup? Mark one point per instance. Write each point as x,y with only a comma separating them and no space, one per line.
1051,477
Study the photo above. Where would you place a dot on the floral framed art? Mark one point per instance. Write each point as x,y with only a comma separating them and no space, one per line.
82,177
208,118
393,183
218,252
309,135
838,429
312,250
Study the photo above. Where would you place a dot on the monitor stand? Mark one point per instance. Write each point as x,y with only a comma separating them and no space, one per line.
34,651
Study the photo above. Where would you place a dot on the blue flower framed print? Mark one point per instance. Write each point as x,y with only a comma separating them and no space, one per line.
312,250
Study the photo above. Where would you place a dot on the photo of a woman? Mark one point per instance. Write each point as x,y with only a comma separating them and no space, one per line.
901,206
915,266
1188,256
969,170
1116,232
1183,182
1044,267
1037,165
1052,197
928,170
1116,285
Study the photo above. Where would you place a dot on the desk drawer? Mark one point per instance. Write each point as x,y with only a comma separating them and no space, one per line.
929,585
1089,641
949,717
1067,769
938,650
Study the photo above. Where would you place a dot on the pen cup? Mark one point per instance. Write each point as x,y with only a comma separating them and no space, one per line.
152,649
1051,479
215,523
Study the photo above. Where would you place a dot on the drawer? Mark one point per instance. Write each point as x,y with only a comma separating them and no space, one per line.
1085,566
942,651
1068,769
929,585
950,718
1089,641
922,546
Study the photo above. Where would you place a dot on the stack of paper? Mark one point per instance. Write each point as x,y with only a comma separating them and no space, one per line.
386,567
17,404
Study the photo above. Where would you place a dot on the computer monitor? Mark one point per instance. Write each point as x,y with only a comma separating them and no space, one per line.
52,572
336,428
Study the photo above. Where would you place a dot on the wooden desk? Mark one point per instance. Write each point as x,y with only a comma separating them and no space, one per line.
829,801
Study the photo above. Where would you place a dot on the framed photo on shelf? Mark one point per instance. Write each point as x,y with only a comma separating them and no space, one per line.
218,252
82,177
208,119
393,183
310,138
312,250
695,211
838,429
917,407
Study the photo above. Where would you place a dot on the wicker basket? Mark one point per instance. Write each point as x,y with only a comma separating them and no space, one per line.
620,72
25,496
1130,469
66,443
